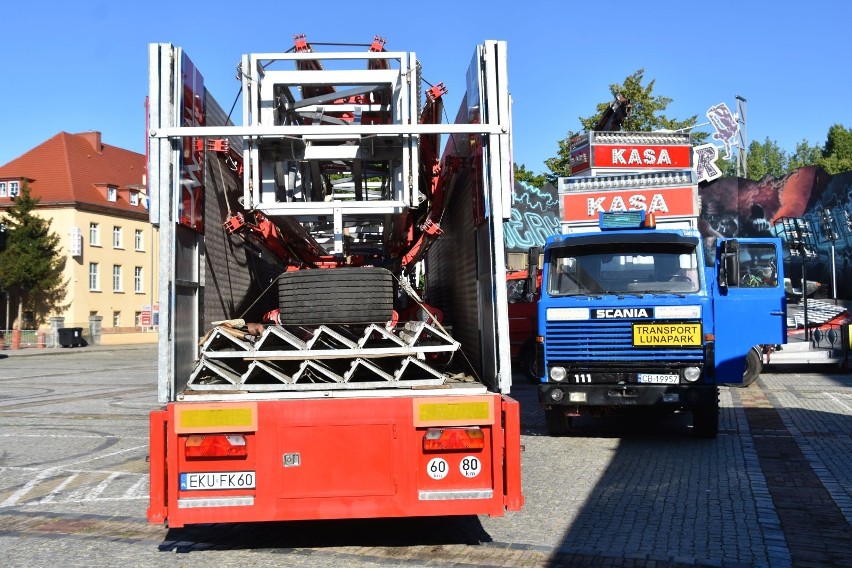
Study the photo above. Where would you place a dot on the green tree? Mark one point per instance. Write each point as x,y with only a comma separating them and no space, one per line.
805,155
728,166
766,158
31,264
646,114
837,155
526,176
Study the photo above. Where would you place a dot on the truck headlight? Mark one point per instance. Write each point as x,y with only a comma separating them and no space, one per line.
558,374
692,374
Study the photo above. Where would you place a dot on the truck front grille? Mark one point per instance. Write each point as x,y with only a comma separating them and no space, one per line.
600,341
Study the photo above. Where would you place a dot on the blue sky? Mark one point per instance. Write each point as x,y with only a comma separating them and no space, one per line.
78,66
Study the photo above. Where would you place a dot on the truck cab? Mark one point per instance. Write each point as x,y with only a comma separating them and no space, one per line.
643,318
639,311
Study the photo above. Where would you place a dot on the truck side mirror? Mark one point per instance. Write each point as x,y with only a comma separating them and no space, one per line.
729,263
532,271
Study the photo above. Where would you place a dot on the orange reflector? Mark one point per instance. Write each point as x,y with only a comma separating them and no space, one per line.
216,446
453,439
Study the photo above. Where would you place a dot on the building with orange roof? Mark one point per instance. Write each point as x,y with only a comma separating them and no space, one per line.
94,196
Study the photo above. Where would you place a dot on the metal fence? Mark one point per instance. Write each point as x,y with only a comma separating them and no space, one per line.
30,338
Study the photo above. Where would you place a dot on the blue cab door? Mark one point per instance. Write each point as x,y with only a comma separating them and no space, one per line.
749,302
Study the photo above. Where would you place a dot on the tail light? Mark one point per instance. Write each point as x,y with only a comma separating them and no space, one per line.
216,446
437,439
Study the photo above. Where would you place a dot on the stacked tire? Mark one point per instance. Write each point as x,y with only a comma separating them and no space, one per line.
360,295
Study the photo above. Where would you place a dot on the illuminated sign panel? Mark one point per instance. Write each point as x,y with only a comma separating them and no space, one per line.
669,202
640,156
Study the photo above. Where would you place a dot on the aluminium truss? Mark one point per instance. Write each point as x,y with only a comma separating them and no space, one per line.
323,358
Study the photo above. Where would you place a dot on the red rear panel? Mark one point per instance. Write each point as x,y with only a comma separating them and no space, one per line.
337,458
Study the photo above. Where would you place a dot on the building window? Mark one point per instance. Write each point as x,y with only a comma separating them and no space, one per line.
137,279
116,319
134,198
137,319
137,239
2,189
116,278
112,193
13,189
94,278
116,237
94,234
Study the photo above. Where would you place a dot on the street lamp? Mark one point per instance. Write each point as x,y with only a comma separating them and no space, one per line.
5,292
827,222
797,233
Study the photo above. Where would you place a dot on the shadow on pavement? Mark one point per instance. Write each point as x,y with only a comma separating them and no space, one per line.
327,534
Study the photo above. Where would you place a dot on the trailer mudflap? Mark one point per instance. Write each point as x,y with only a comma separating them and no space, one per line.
512,495
157,500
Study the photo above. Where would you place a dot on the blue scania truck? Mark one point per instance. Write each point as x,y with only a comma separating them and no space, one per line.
638,309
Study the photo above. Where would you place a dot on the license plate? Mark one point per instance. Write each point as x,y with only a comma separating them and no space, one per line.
196,481
658,378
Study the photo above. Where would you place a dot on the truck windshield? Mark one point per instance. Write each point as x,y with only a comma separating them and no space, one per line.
623,268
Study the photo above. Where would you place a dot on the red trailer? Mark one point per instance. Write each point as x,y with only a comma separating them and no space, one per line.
334,334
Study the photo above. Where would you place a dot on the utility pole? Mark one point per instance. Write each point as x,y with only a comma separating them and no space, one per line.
742,151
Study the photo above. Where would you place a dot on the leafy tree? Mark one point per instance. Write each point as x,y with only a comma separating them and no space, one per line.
646,114
31,265
526,176
728,166
645,107
837,155
766,158
805,155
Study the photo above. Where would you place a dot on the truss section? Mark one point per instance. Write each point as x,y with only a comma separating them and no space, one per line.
323,357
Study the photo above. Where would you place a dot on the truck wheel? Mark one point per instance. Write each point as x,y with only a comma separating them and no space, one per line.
558,423
754,365
336,295
529,363
705,420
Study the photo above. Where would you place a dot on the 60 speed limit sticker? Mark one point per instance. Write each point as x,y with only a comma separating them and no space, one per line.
437,468
470,466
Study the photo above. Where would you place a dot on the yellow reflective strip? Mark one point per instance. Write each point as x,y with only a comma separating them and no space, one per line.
207,419
449,412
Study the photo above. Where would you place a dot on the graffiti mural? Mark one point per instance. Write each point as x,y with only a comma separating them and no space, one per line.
535,216
734,207
743,208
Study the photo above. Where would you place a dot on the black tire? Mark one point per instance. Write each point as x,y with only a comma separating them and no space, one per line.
557,422
339,295
705,420
529,362
753,367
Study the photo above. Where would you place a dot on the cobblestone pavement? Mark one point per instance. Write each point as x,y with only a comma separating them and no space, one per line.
774,489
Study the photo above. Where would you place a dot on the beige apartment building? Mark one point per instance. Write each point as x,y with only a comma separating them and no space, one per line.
94,197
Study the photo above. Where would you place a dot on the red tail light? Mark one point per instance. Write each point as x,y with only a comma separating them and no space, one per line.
216,446
453,439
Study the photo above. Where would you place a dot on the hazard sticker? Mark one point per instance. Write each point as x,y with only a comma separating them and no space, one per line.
470,466
437,468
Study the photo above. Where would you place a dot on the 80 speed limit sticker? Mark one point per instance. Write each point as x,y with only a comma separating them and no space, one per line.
438,468
470,466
